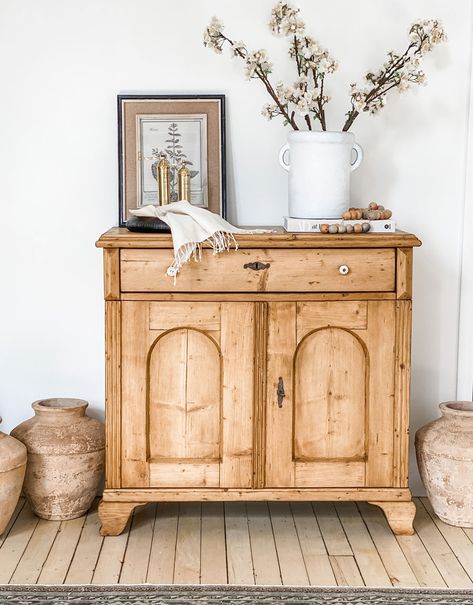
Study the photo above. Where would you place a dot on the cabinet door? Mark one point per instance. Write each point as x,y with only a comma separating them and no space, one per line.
187,394
335,361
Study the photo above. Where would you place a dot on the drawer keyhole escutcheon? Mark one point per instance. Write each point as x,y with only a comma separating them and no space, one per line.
280,392
343,269
256,266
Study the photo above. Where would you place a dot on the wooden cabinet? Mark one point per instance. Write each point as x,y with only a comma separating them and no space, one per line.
280,371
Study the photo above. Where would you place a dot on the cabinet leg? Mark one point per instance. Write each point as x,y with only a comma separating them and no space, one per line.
400,516
114,516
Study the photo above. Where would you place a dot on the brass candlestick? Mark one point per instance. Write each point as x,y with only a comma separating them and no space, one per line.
184,182
164,181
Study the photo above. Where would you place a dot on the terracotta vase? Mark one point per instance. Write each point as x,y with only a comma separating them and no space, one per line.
445,457
12,473
65,458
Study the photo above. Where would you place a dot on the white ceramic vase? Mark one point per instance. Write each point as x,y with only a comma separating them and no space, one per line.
319,166
445,458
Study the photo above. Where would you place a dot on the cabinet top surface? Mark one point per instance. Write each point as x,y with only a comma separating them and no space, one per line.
120,237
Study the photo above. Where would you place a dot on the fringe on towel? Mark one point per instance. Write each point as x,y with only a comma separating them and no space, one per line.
220,241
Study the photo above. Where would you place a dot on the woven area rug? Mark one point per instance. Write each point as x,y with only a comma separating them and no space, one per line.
230,595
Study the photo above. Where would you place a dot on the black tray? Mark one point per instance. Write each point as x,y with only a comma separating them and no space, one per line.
147,224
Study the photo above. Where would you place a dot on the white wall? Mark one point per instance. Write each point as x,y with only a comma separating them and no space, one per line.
62,64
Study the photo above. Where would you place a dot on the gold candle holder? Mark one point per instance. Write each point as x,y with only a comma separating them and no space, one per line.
184,182
164,181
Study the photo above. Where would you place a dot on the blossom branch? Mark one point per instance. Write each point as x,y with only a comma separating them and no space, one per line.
399,71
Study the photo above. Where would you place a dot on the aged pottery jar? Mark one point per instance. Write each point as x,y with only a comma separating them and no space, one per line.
65,458
445,457
12,473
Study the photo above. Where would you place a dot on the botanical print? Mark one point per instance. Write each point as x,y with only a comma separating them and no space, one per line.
306,97
180,138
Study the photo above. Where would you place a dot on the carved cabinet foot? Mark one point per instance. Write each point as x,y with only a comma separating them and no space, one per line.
400,516
114,516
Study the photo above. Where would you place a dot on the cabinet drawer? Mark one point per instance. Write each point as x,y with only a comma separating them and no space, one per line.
262,270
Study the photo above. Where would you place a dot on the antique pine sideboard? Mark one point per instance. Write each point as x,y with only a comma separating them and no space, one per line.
276,372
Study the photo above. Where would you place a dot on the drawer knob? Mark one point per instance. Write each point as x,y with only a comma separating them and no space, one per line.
257,266
343,269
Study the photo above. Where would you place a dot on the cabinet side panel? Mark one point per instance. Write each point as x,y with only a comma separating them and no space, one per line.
237,345
135,347
402,392
113,394
279,420
380,340
404,273
111,273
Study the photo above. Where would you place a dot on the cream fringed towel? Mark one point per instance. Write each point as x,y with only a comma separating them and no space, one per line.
190,228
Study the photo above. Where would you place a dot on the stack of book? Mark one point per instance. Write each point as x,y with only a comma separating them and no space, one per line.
297,225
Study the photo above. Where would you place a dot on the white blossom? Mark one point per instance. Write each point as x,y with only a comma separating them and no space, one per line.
213,35
285,21
257,61
238,48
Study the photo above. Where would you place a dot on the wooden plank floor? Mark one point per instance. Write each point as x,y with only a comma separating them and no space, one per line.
326,544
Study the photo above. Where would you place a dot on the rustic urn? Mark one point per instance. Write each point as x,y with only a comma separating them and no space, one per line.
444,450
12,473
65,458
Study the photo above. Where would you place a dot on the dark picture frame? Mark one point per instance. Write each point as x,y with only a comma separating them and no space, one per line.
145,123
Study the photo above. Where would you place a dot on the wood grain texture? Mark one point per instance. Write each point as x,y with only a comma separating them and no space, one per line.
367,557
184,409
332,473
287,270
442,555
184,474
331,369
141,495
136,561
213,551
111,274
59,557
113,394
114,516
81,569
280,470
120,237
136,342
263,549
256,296
259,394
334,547
404,273
187,565
239,558
312,316
396,565
163,547
400,516
402,377
316,560
379,340
237,345
338,344
202,316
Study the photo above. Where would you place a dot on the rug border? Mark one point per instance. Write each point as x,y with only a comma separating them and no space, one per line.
145,588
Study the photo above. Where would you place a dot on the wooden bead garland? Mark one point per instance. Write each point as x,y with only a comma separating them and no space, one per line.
356,228
374,212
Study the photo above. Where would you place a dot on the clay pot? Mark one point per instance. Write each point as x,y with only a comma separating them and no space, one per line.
12,473
445,457
65,458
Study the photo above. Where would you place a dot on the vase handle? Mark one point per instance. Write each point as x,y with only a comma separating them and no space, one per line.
282,153
359,156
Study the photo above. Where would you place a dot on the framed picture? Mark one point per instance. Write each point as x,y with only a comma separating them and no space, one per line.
188,128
